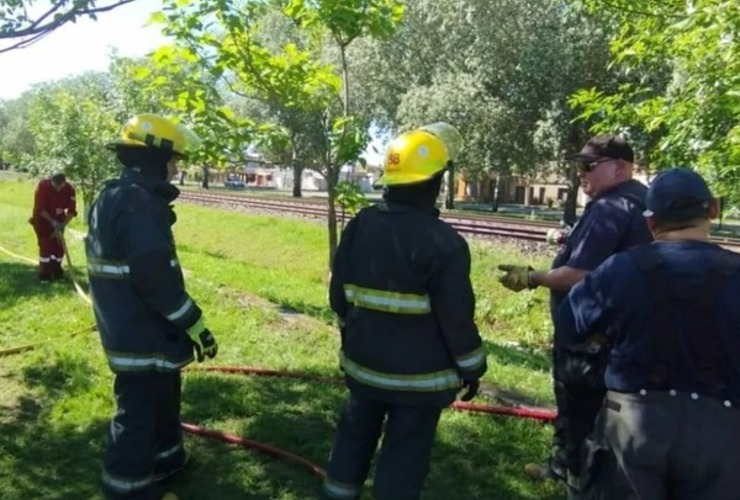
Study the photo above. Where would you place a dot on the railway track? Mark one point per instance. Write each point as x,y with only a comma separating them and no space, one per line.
468,225
475,225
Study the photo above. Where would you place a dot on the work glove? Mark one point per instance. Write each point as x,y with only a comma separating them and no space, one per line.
516,278
204,344
471,387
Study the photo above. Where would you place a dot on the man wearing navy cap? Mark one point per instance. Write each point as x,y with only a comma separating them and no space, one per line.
612,221
669,314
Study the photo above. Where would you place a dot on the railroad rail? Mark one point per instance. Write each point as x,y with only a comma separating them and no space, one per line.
476,225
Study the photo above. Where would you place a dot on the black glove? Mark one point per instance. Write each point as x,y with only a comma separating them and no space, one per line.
471,386
204,344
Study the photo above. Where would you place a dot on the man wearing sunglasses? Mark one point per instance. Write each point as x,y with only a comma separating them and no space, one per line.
611,222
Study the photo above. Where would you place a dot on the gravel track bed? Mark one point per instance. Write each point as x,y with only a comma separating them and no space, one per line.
529,248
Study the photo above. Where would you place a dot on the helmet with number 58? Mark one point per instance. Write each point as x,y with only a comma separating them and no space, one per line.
420,154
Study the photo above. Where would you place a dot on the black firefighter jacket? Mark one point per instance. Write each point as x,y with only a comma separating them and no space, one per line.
141,307
401,287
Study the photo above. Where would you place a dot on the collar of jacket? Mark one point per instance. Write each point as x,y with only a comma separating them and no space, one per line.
157,187
621,188
394,206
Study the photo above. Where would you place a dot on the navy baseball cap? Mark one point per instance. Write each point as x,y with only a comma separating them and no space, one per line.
604,146
677,193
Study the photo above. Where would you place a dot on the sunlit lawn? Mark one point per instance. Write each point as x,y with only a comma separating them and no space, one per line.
248,272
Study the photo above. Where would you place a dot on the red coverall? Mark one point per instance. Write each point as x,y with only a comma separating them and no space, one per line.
60,205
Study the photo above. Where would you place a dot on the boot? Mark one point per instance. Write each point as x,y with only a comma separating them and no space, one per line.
541,472
161,475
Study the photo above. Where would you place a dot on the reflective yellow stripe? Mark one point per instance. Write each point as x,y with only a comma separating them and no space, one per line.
335,489
125,485
197,328
182,310
108,270
381,300
426,382
167,453
472,360
123,362
113,268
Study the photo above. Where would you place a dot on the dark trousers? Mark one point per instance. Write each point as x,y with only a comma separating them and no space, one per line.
403,463
675,447
601,478
144,437
578,407
51,254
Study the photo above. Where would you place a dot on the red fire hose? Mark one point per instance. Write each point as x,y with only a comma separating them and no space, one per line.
255,445
541,414
533,413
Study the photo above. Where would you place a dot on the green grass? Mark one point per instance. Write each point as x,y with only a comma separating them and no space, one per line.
248,273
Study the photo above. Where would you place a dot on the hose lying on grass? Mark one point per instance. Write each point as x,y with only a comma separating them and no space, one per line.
540,414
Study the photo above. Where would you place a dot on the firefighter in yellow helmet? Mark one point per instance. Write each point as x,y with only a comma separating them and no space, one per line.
149,326
401,289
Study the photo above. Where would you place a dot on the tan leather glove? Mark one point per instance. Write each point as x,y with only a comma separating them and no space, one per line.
516,278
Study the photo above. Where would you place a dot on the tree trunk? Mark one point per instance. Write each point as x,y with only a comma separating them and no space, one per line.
495,190
334,167
331,220
450,200
569,211
297,169
204,181
297,181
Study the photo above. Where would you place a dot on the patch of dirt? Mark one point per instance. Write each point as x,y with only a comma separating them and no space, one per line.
16,402
513,399
247,300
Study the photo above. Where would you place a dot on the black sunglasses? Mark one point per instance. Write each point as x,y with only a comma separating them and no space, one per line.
589,166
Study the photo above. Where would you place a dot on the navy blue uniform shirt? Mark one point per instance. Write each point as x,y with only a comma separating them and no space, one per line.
613,300
610,223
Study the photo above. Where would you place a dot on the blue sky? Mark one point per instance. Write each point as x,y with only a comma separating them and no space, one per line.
79,47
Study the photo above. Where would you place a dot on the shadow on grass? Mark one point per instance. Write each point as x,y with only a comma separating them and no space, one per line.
59,461
293,415
483,457
531,359
475,457
43,454
19,281
50,452
290,307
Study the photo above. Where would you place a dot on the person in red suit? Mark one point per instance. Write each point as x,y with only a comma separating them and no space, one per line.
54,206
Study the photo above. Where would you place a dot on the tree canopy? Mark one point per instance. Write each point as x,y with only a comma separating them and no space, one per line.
687,98
304,82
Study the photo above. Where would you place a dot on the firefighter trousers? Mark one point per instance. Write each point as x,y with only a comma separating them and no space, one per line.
144,437
51,254
405,452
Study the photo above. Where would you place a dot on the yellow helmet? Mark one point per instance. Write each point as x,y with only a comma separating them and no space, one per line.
150,130
420,154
